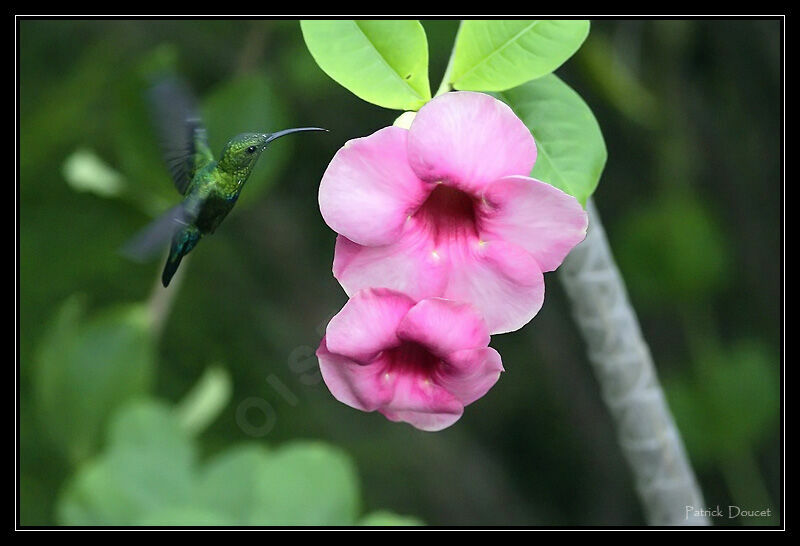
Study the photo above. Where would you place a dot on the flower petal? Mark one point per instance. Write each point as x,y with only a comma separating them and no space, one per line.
444,326
368,189
422,403
398,393
500,279
470,373
469,140
358,386
367,323
538,217
409,265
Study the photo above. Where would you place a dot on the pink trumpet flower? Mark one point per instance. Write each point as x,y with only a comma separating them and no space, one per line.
420,363
446,208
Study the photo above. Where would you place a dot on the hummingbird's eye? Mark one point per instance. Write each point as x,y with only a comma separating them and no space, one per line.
251,150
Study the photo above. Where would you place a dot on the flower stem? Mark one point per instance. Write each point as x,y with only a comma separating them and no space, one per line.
622,363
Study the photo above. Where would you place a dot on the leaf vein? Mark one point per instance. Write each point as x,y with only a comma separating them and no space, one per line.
387,65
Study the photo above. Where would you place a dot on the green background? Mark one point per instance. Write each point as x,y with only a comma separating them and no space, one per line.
691,199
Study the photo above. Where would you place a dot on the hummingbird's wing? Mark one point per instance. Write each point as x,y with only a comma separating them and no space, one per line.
180,130
152,239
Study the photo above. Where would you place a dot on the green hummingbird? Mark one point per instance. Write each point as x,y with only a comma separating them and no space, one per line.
210,188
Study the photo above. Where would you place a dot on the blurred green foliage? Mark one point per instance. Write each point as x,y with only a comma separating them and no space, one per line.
149,475
84,171
729,403
85,368
673,253
690,112
148,472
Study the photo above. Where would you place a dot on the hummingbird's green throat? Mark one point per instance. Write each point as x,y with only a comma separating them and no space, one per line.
210,188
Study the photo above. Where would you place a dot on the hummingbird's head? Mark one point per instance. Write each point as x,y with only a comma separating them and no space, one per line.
240,154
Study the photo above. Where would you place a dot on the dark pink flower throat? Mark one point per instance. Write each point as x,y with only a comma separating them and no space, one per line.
411,357
447,213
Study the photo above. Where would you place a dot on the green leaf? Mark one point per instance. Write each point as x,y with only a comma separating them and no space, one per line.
147,425
499,55
227,484
306,483
147,476
382,62
87,368
571,150
299,484
147,467
188,516
382,518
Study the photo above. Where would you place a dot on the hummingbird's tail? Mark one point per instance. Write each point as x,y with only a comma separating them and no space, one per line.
183,242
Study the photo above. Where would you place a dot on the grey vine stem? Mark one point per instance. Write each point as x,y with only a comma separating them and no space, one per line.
624,368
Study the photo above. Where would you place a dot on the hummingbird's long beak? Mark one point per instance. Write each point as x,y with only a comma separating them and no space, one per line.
279,134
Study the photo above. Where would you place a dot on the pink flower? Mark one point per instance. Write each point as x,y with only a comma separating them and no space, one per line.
446,209
415,362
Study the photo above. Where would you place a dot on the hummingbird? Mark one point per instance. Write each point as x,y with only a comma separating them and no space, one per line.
210,187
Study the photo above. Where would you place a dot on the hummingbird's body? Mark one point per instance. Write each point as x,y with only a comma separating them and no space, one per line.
210,187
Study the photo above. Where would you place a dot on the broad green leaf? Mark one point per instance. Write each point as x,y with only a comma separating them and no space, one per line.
299,484
499,55
147,425
188,516
388,519
383,62
87,368
227,483
249,103
306,483
570,146
147,467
